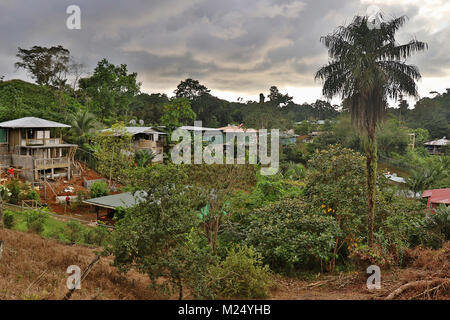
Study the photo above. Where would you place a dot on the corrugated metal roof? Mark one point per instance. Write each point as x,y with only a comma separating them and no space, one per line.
440,142
124,200
395,178
137,130
237,129
438,195
193,128
32,122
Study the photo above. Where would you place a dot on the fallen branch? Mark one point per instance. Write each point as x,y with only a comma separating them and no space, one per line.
85,273
415,284
317,284
431,290
1,248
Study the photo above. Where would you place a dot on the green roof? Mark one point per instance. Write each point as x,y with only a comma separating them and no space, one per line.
123,200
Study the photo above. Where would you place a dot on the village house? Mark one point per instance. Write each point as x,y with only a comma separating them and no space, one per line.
35,148
106,206
437,147
234,131
288,138
437,197
147,138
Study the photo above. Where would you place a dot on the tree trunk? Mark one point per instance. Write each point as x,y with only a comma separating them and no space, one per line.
371,162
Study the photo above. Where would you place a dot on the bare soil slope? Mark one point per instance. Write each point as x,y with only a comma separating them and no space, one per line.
35,268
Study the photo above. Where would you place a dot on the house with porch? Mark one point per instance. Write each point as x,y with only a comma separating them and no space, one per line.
35,148
437,147
147,138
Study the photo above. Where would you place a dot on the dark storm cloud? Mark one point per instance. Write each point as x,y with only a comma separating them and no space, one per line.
233,46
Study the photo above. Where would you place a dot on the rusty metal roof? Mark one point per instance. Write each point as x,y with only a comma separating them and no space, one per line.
438,195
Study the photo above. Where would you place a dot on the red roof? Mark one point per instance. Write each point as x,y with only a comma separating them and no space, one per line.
437,195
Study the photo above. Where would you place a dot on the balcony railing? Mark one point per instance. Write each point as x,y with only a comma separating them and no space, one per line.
147,144
41,164
41,142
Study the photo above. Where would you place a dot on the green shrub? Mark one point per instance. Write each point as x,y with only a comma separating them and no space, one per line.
441,218
294,171
242,275
33,195
97,236
15,190
74,232
4,193
400,228
35,220
289,238
364,256
99,189
8,219
58,234
437,226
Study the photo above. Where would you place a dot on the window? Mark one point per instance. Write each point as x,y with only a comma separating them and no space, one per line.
3,136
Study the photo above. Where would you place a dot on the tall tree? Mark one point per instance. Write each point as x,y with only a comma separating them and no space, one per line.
367,66
277,98
177,112
190,89
111,89
114,151
48,66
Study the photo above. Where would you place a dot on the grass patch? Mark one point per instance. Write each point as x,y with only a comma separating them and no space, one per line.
66,232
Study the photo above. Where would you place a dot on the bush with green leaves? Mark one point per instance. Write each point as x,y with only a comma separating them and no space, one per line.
290,238
57,233
74,232
268,189
98,236
33,195
15,191
294,171
99,189
35,220
144,157
18,191
153,235
336,184
4,192
399,228
437,224
241,274
8,219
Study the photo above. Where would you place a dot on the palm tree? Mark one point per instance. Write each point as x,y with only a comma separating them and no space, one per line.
366,67
83,124
144,157
421,179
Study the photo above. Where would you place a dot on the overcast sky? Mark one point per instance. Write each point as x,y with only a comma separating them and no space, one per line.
237,48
